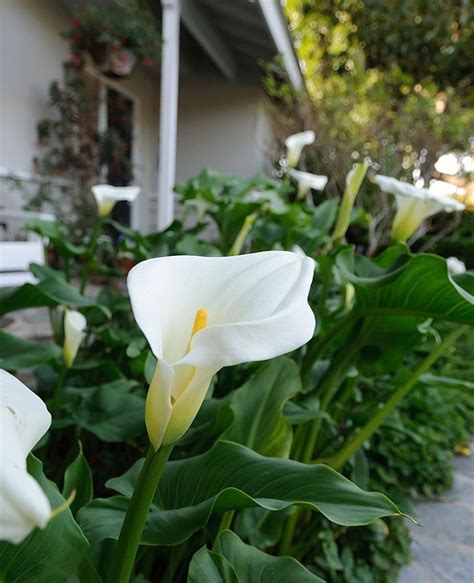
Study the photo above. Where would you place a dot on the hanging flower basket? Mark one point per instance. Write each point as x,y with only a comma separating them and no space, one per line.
122,62
99,53
115,42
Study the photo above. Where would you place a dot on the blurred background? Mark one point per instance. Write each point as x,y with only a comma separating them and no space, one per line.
91,93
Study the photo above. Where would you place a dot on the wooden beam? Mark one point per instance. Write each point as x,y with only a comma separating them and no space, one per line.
199,25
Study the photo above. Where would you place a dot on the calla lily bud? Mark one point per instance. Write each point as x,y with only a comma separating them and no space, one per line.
106,196
24,419
455,266
307,181
414,205
200,314
295,144
354,181
75,325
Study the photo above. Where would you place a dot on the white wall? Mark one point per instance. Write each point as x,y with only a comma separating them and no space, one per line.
32,54
221,126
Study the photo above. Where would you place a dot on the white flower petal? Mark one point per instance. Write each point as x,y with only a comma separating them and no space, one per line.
75,325
23,504
295,144
455,266
414,205
166,294
107,195
30,415
24,419
306,181
202,313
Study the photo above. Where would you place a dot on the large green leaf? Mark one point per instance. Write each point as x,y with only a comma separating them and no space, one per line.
18,353
231,560
111,411
51,554
231,477
377,356
78,479
57,235
257,406
398,282
52,290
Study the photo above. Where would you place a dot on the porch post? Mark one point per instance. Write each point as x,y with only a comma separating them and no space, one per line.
168,112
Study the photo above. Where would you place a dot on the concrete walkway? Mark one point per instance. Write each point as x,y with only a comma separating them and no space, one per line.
443,547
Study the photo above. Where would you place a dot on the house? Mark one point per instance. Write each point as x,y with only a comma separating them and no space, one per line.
203,106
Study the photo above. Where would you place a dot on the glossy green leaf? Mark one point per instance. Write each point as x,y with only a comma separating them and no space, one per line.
257,406
78,479
231,477
191,245
57,235
377,356
18,353
398,282
52,290
111,411
51,554
233,560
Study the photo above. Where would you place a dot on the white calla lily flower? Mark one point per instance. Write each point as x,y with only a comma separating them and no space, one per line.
107,195
307,181
414,205
295,144
75,325
200,314
24,419
455,266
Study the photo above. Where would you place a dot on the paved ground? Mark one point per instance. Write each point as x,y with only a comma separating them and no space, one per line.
443,547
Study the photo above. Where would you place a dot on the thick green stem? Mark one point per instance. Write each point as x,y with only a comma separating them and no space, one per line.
339,459
226,521
59,387
91,252
317,347
328,389
123,559
243,234
324,293
288,533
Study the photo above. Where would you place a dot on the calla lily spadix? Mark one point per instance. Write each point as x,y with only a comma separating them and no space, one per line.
200,314
107,195
24,419
414,205
75,325
295,144
307,181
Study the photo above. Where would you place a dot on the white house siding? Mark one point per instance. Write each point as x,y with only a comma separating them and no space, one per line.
221,125
32,55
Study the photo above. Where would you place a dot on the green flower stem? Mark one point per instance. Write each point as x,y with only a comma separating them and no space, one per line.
92,249
317,348
226,521
288,533
243,234
59,387
339,459
324,293
328,389
123,559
